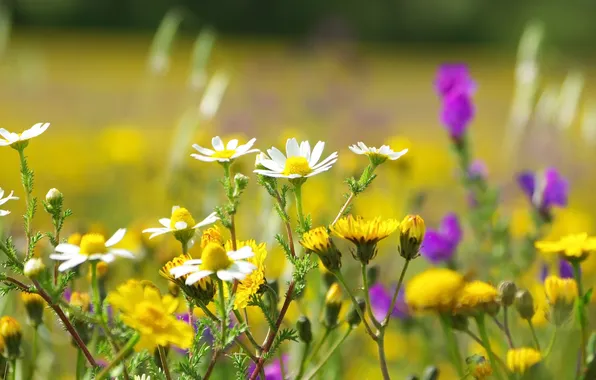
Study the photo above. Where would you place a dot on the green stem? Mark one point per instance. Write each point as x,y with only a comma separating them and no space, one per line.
27,182
95,291
247,332
312,373
13,366
305,348
222,308
122,354
343,208
396,293
581,308
298,195
481,343
314,353
342,281
164,362
34,351
367,297
480,322
80,371
452,344
382,358
506,327
534,336
551,344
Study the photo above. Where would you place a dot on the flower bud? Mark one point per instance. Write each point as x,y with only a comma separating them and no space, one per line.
411,234
353,317
431,373
561,294
318,241
333,301
304,329
34,304
240,183
54,198
459,322
524,303
34,267
372,274
10,330
507,290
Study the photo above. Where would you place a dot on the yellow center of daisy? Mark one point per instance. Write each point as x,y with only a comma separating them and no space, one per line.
223,153
181,215
297,165
93,243
215,258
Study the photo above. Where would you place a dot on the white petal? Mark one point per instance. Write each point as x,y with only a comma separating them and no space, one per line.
355,149
4,212
226,275
158,232
193,262
232,144
1,192
245,147
292,148
217,143
277,156
107,258
270,173
305,150
272,165
122,253
116,238
62,256
197,276
204,151
174,208
242,253
76,260
68,248
164,222
243,267
316,153
210,219
327,161
396,155
363,146
181,225
203,158
319,171
238,154
5,134
183,270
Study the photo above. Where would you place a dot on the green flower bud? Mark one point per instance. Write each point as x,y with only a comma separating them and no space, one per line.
333,301
524,303
34,304
412,231
10,331
372,274
33,268
459,322
353,317
240,183
304,329
507,290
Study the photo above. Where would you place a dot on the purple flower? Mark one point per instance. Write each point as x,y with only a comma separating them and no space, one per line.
544,189
478,169
453,78
457,112
440,245
380,302
565,270
273,370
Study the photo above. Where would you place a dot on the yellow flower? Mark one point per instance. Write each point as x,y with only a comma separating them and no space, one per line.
365,234
318,241
482,371
211,235
574,247
81,300
477,296
11,332
144,309
521,359
412,231
203,290
334,295
34,304
560,290
253,281
434,289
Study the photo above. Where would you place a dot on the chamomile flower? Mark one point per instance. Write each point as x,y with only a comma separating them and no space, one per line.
4,200
377,155
223,152
13,139
298,162
93,246
228,266
181,224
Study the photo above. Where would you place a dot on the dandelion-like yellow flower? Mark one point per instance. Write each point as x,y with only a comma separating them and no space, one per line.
477,297
560,290
144,309
365,234
203,290
575,247
11,332
435,289
211,235
253,281
411,233
521,359
318,241
34,304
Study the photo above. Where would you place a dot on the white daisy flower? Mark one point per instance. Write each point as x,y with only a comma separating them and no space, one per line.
227,266
142,377
298,162
93,247
4,200
10,138
180,222
221,152
381,154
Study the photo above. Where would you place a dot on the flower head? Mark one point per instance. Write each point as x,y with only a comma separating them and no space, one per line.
33,267
456,115
439,245
411,230
434,289
477,297
11,332
380,302
211,235
454,78
365,234
250,285
181,224
227,266
4,200
333,303
521,359
545,189
298,162
93,246
223,152
21,140
318,241
575,247
34,304
377,155
202,290
144,309
561,294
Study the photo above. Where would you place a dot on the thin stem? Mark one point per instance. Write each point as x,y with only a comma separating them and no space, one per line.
286,223
298,195
480,322
247,332
341,280
34,351
222,308
551,344
581,308
382,358
27,182
506,326
312,373
80,370
13,366
367,297
452,344
211,365
164,362
314,353
17,283
230,196
396,293
120,356
343,208
305,348
534,336
481,343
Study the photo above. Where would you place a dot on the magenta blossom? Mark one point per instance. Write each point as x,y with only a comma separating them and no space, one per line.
457,113
380,302
273,370
439,245
454,78
545,189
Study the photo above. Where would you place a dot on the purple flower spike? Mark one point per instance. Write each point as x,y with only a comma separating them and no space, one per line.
273,370
380,301
440,245
565,270
478,169
454,78
545,189
457,113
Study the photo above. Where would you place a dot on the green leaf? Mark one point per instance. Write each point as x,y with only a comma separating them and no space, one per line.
588,296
